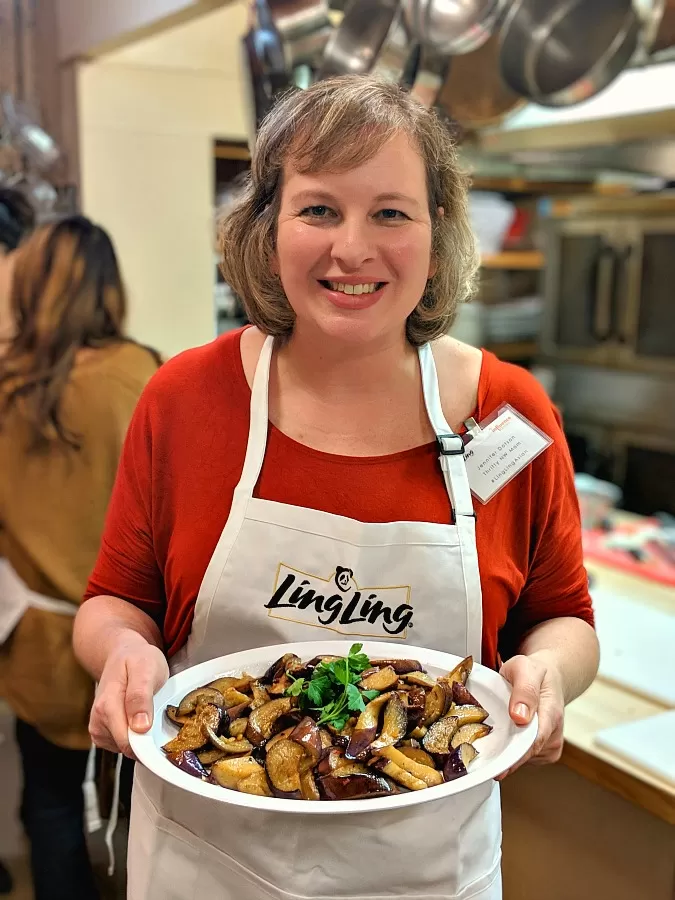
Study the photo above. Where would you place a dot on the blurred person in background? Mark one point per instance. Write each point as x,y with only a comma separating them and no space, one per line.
17,219
69,381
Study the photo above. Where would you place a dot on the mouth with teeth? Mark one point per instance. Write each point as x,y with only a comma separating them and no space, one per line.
369,288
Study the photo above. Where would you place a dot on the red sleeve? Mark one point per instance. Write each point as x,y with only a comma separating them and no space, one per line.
557,582
126,565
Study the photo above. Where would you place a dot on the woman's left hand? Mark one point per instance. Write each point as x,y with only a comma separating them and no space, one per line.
537,688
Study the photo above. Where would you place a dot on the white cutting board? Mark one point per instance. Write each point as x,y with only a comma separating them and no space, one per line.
637,645
649,744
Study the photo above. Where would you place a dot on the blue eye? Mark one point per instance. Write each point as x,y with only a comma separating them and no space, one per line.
316,212
392,214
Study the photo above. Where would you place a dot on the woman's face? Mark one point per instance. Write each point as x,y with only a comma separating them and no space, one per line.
354,248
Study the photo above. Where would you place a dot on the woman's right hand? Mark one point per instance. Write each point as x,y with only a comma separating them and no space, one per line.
134,671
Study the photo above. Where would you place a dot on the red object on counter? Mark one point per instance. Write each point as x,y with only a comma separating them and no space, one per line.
653,564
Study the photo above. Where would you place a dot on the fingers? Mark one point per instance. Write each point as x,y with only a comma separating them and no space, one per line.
140,689
526,676
108,725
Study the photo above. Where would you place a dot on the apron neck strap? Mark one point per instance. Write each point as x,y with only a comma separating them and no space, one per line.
450,444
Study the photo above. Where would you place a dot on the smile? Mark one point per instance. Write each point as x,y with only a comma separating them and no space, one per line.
368,288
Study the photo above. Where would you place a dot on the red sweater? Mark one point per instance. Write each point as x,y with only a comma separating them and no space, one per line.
183,458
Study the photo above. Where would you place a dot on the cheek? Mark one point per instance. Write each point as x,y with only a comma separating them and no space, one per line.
410,253
298,248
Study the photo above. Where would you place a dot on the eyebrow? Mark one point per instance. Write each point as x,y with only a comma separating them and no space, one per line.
303,196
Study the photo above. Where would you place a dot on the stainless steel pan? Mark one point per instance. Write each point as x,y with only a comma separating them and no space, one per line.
452,27
560,52
372,38
304,27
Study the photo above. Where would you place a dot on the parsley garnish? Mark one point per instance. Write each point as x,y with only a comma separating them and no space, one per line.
333,692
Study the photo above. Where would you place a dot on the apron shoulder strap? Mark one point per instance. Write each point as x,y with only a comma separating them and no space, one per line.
451,445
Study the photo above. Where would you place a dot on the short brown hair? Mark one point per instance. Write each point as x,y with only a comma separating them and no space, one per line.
335,125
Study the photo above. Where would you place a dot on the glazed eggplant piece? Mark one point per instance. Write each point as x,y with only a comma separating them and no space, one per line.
458,761
308,735
467,734
238,727
208,757
193,735
366,728
172,716
283,762
426,774
395,724
242,683
308,788
400,666
440,734
355,787
378,679
260,695
459,674
187,761
461,696
419,756
416,703
231,745
401,776
229,772
256,784
276,677
435,705
262,721
469,714
419,678
198,697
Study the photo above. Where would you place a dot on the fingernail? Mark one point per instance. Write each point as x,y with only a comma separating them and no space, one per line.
522,711
140,721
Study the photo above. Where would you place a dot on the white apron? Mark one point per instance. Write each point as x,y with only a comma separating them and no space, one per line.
284,573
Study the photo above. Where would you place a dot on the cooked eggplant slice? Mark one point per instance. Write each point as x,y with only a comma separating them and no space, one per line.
400,666
355,787
260,695
366,727
238,727
172,716
330,762
307,734
429,775
378,679
438,737
187,761
434,705
277,672
395,724
198,697
459,674
256,784
208,757
308,787
283,765
416,702
232,697
231,715
229,772
461,696
468,714
193,735
396,773
242,683
467,734
419,678
458,761
232,746
419,756
279,736
262,721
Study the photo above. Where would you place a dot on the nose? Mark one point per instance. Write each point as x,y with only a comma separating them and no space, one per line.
352,244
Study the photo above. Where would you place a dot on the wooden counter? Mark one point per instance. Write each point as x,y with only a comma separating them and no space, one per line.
605,704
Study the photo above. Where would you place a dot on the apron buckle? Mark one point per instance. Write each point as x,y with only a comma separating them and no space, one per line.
450,444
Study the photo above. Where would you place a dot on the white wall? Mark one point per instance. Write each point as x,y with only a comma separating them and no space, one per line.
146,153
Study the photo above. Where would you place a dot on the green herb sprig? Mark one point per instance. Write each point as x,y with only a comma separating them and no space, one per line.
333,690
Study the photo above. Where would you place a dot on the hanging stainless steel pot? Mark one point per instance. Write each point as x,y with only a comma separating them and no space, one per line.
452,27
372,38
304,27
561,52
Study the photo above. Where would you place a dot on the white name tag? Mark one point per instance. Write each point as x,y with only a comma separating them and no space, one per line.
499,449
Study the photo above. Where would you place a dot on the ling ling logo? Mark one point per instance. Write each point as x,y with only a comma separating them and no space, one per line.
340,604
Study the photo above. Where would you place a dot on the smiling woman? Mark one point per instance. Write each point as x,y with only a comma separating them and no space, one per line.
307,474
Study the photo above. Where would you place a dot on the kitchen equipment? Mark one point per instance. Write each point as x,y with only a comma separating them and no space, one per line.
430,75
636,645
29,137
501,749
561,52
647,744
474,93
451,27
659,29
372,38
596,499
304,27
264,64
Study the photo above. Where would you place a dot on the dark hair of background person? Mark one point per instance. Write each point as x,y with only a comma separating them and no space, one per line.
67,294
17,218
